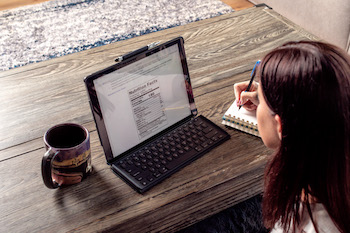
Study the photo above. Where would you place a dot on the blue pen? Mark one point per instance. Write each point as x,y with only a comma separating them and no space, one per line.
252,75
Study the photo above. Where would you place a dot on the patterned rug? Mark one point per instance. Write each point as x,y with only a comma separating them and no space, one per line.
51,29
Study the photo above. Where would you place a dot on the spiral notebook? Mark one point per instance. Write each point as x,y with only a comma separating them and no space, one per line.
243,119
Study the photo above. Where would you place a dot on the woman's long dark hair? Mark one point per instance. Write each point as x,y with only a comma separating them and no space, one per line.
308,85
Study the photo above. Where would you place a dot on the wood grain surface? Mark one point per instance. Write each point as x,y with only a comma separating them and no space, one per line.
10,4
220,52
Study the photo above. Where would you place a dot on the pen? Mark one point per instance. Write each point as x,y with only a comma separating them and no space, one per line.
252,75
138,51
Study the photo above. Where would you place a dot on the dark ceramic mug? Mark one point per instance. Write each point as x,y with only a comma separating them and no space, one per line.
68,156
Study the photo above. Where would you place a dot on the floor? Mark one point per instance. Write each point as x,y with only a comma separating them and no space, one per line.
9,4
238,4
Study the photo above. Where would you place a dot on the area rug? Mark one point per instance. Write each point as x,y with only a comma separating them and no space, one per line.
51,29
245,217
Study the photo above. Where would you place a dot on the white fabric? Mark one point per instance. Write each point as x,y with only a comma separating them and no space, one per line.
321,218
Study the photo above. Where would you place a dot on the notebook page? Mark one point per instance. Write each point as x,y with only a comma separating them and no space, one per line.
242,114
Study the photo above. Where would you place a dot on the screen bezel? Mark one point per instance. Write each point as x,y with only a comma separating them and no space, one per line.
95,105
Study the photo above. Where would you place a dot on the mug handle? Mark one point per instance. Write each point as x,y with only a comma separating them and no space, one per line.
46,169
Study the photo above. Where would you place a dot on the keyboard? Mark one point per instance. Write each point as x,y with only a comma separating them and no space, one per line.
159,159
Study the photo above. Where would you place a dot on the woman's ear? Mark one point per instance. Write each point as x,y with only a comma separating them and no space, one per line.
278,125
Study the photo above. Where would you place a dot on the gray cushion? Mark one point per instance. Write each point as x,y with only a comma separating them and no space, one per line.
329,20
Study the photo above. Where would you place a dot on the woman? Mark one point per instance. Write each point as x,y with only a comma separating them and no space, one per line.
303,112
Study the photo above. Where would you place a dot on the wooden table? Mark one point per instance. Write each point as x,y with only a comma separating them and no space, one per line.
220,51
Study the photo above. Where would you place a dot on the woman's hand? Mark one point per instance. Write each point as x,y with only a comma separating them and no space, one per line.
249,100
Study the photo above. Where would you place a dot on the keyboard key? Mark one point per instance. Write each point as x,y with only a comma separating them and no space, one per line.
135,174
197,121
207,130
163,170
155,153
144,183
129,169
152,169
211,134
191,145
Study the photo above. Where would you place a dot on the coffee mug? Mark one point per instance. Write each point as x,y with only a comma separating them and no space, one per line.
68,156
